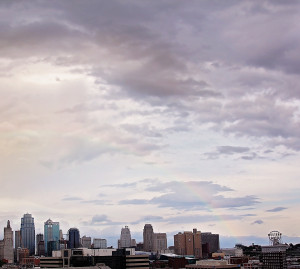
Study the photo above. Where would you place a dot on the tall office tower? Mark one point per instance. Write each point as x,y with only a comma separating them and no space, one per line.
51,235
40,245
74,238
159,242
125,238
86,241
8,245
99,243
18,239
188,243
212,240
39,238
148,237
28,233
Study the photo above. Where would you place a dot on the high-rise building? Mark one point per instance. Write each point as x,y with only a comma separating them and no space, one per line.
212,240
52,236
99,243
86,241
148,237
18,239
74,238
7,245
159,242
39,238
188,243
40,245
154,242
125,238
28,233
274,257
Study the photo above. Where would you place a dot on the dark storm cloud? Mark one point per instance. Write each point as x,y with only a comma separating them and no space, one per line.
276,209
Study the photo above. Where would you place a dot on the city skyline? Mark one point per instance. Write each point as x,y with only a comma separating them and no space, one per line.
116,113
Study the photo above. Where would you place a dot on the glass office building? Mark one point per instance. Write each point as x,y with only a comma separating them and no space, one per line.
51,236
28,233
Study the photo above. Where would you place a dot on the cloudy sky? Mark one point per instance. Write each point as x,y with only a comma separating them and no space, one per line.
183,114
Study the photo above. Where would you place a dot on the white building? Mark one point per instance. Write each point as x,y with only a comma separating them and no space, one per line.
125,238
99,243
86,241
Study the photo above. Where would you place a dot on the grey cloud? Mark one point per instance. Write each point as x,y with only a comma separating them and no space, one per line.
100,220
134,202
148,219
257,222
232,149
276,209
249,157
192,195
244,88
202,218
142,129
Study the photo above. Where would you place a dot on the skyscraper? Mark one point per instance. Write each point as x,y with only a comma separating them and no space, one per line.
125,238
86,241
74,238
148,237
212,240
154,242
6,245
51,234
28,233
188,243
159,242
40,245
18,241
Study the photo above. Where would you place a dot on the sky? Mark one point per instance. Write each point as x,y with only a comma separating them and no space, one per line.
182,114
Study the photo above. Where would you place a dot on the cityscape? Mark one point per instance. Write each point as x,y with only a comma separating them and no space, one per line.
191,249
149,134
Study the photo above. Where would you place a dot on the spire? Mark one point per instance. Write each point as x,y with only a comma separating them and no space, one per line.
8,224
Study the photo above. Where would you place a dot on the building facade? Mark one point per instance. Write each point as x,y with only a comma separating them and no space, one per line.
99,243
86,241
153,242
51,236
125,238
274,257
148,237
18,239
28,233
212,240
74,238
188,243
159,242
7,245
